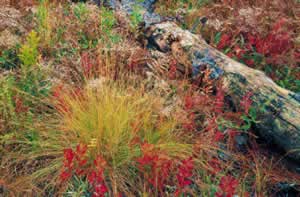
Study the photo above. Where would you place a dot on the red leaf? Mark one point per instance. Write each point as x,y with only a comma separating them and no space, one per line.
69,157
218,136
225,40
228,185
65,175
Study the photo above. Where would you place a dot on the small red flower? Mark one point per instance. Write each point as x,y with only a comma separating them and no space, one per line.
230,54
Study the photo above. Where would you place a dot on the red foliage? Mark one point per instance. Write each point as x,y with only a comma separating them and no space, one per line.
227,186
219,103
155,166
100,190
218,136
69,156
75,162
188,103
250,62
96,177
215,164
65,175
185,172
276,43
225,41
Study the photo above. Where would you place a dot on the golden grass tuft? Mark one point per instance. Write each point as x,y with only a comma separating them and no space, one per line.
110,118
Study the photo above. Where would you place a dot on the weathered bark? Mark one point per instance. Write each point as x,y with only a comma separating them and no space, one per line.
278,109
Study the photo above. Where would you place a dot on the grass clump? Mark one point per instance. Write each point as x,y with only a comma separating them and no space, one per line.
115,123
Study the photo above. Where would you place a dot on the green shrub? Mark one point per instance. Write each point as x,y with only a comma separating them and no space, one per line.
81,12
33,80
29,53
107,23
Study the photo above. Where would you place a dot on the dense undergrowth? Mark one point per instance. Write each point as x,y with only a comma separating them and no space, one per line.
80,115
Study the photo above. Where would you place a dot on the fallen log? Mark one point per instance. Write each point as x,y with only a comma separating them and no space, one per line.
278,109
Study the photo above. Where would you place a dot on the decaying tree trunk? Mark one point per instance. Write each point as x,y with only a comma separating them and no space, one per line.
278,108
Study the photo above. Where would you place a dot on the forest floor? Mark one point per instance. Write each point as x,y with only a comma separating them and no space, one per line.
82,114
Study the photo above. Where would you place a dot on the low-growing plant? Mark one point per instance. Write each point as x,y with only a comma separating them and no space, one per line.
81,12
33,80
136,17
29,51
107,22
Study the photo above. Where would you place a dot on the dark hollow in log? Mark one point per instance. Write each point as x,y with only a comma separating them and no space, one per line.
278,109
